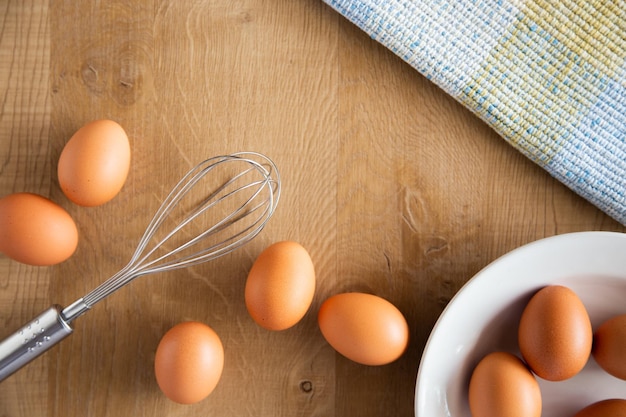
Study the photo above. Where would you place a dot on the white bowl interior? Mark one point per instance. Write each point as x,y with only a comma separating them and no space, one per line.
484,315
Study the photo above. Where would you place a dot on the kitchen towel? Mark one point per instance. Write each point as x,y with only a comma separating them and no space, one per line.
548,76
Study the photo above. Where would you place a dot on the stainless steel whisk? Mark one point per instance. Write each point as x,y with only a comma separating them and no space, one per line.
245,198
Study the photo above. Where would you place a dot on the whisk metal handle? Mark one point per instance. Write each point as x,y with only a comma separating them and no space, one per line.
32,340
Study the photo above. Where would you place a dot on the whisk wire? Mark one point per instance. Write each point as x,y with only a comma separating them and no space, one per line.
224,223
259,198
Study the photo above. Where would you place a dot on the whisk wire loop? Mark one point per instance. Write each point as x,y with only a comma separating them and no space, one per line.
248,204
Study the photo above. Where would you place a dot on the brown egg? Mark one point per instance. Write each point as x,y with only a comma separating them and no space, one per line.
364,328
609,346
94,163
555,333
502,386
280,286
606,408
189,362
36,231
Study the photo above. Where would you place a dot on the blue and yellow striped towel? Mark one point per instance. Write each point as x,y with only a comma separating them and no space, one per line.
548,76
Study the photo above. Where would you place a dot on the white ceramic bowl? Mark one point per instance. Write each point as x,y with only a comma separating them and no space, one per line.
483,317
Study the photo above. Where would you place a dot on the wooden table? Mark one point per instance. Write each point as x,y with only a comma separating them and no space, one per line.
392,186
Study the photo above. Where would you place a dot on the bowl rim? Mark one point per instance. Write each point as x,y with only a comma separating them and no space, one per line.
557,243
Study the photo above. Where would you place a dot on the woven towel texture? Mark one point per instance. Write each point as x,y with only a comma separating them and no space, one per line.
548,76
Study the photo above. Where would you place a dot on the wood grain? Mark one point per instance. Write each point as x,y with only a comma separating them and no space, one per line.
25,165
392,186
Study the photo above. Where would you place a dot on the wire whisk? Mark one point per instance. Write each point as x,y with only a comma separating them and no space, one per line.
217,207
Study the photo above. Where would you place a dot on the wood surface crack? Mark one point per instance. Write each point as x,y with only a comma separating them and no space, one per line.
388,260
93,70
